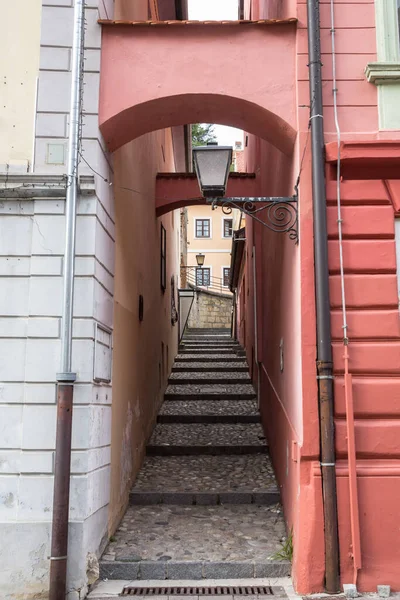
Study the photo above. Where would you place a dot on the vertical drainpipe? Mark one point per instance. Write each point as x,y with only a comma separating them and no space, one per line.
324,340
66,378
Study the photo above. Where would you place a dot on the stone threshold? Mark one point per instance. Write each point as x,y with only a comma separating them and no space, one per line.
164,570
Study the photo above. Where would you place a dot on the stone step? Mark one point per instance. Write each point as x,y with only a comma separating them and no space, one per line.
207,342
206,350
209,411
177,439
214,367
208,358
209,407
208,391
212,475
196,542
207,377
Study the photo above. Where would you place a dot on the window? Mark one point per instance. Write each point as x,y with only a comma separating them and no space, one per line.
226,273
385,73
163,256
202,228
228,224
203,276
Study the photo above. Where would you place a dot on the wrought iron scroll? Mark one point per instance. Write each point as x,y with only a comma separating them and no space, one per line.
279,214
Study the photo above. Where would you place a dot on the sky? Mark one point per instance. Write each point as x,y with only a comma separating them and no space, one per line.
217,10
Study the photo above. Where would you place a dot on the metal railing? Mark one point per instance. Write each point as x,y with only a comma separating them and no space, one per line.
208,283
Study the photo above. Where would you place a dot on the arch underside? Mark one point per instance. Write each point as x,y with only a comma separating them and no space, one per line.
182,109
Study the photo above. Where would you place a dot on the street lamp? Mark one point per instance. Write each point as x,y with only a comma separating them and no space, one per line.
200,258
212,164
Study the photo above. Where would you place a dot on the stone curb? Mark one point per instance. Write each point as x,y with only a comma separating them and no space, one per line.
192,570
265,498
159,450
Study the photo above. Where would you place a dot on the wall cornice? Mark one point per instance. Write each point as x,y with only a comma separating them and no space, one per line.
37,185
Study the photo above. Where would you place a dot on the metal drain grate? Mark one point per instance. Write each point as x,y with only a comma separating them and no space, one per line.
199,591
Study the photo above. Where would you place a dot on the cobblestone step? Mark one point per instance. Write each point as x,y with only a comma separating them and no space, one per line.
207,358
206,474
209,343
194,439
209,407
214,367
207,377
209,411
205,350
208,391
196,542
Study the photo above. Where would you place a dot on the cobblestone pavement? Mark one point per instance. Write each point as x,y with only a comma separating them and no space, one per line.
211,388
210,407
187,533
206,473
207,434
220,356
204,503
210,375
209,366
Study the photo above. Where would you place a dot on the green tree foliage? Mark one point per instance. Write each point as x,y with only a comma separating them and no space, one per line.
202,134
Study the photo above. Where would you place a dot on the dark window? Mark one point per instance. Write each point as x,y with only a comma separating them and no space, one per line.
163,255
203,228
203,276
228,228
226,276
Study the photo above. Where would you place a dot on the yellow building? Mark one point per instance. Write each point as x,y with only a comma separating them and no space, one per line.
209,232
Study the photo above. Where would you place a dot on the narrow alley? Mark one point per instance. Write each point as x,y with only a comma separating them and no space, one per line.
205,504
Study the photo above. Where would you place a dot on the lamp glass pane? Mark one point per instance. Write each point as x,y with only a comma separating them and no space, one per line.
213,166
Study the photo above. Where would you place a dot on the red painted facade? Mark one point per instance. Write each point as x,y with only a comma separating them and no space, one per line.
255,77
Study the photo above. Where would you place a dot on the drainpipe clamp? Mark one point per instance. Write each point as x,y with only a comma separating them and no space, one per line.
325,377
58,557
327,464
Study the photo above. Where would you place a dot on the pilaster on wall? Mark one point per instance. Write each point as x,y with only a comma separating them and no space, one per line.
32,235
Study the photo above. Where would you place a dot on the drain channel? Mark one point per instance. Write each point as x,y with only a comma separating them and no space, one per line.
198,591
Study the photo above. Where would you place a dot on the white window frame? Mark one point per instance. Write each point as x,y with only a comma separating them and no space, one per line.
226,237
196,237
387,68
222,275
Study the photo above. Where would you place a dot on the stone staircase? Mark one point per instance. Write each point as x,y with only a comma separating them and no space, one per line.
205,504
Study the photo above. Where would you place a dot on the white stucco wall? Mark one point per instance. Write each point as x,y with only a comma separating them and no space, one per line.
31,263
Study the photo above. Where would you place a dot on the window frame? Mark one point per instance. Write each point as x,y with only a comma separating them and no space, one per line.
387,68
203,270
202,237
224,220
223,276
163,259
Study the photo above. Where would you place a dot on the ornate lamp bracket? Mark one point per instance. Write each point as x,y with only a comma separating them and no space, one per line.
279,214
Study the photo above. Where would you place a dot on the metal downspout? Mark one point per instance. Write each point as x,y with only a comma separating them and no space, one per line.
65,379
324,349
